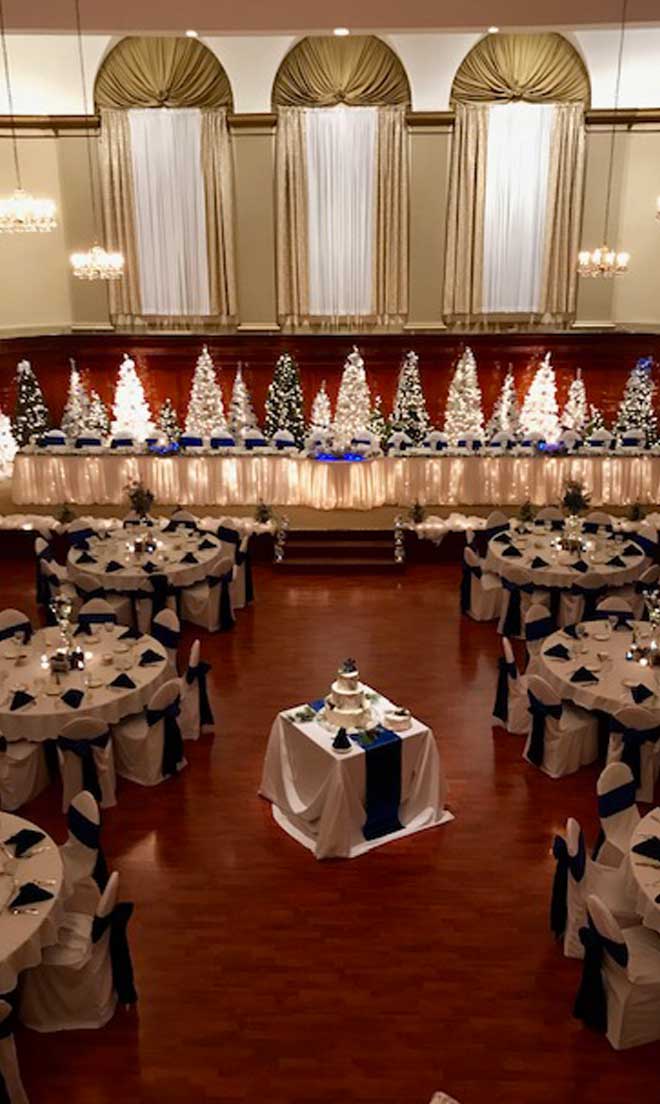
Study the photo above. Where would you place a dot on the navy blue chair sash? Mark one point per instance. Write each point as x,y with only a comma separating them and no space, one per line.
169,638
469,571
540,713
244,559
482,538
229,536
538,630
633,738
120,954
511,625
617,800
648,547
591,1001
86,620
576,864
84,750
87,595
592,596
19,626
78,538
121,442
506,671
198,674
180,523
88,442
172,740
41,583
89,834
226,616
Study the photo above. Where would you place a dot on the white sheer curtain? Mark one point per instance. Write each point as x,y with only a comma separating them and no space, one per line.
517,168
341,170
170,211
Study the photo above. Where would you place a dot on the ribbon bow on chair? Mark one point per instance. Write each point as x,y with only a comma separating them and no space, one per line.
591,1000
511,625
172,739
198,674
506,671
469,571
227,619
86,620
120,954
169,638
84,750
20,626
576,864
540,713
631,755
89,834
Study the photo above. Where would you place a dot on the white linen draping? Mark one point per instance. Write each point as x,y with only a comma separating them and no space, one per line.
172,547
559,573
50,479
23,938
515,204
170,211
646,879
341,158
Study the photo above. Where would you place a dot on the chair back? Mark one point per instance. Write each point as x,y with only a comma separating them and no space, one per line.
83,816
40,546
14,621
96,611
612,604
538,622
570,439
184,517
133,518
636,717
193,658
599,517
495,519
605,924
549,513
166,629
616,790
576,850
108,897
650,575
508,652
84,728
470,557
469,442
80,525
542,690
165,694
501,440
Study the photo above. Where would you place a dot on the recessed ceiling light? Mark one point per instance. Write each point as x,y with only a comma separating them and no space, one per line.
341,32
493,30
192,34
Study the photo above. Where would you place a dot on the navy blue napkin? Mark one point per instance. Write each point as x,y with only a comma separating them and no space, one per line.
73,697
131,634
502,538
149,567
632,550
512,551
112,565
148,658
640,693
20,699
86,558
582,675
538,562
30,894
649,848
123,682
23,840
580,566
190,558
558,651
616,561
317,704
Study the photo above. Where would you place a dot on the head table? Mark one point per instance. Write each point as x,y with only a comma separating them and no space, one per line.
185,557
558,568
646,872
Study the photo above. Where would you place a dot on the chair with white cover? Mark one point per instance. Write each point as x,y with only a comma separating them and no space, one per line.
149,745
647,539
501,442
648,580
209,604
570,439
469,442
481,591
166,629
85,755
538,624
631,440
85,870
549,513
56,584
562,738
43,553
238,548
579,603
601,440
95,612
82,978
595,520
181,519
618,813
15,623
79,531
510,708
435,440
496,522
88,590
23,773
635,741
618,610
619,993
196,712
11,1085
529,443
133,518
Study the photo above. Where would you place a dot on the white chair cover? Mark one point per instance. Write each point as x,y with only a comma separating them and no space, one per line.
8,1058
562,737
140,746
200,604
166,629
79,733
639,719
23,773
485,589
619,815
80,855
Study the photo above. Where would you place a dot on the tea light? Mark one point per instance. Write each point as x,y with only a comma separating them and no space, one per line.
44,662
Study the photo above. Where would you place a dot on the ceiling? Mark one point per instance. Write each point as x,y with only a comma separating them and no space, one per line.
305,16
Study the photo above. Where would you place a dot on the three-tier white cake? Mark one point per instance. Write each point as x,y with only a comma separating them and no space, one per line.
346,705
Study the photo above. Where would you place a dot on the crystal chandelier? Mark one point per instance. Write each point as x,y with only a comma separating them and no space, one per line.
21,213
605,261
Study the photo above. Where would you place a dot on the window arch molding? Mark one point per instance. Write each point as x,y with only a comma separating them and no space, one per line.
357,70
534,67
161,72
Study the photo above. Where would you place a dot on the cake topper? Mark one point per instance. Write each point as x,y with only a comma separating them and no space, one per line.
348,666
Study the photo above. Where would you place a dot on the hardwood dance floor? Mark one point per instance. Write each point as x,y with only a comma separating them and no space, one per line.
266,976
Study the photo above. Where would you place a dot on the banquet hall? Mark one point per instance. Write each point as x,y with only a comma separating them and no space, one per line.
329,552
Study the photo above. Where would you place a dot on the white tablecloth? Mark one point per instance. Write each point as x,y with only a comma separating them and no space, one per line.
22,938
41,477
645,872
45,717
318,795
172,547
559,573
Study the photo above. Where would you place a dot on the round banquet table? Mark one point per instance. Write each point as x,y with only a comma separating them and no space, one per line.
44,718
645,872
171,548
22,938
559,572
602,651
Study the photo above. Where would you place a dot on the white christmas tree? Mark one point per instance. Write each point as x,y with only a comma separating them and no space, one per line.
574,415
378,423
353,409
506,413
130,409
206,409
540,413
8,447
167,422
409,413
463,413
31,416
284,401
97,420
241,411
636,410
76,408
321,411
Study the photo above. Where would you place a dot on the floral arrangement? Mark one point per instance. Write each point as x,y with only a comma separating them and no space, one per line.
416,513
64,513
348,667
575,501
140,497
527,511
263,513
635,512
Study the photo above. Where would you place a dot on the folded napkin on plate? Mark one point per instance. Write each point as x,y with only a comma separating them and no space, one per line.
190,558
649,848
86,558
131,634
24,840
502,538
580,565
512,551
149,657
30,894
149,567
73,697
640,693
538,562
616,561
20,699
571,631
632,550
558,651
206,543
583,675
123,682
112,565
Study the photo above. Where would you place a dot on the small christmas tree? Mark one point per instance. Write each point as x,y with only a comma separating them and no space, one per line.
241,411
409,414
574,415
506,413
284,401
167,422
98,419
353,409
321,411
540,413
636,410
378,423
206,409
130,409
76,408
7,447
463,413
595,422
31,416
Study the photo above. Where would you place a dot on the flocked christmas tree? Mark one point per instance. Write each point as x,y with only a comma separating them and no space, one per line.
575,413
353,409
30,413
378,423
321,411
409,413
167,422
206,409
506,412
540,413
636,410
76,408
284,401
463,413
241,411
131,415
7,447
98,419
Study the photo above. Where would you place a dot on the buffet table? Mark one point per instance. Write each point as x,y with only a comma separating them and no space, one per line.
50,477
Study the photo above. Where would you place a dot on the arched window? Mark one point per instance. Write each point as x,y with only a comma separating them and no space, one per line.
167,181
342,182
517,173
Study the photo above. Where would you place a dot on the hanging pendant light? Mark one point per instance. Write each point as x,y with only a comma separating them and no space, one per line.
604,261
95,263
21,213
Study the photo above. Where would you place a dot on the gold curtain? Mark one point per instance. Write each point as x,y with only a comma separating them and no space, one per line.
357,70
161,72
119,213
291,189
534,67
219,194
465,213
391,252
564,213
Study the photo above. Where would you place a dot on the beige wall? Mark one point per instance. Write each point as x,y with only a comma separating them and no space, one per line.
255,226
429,178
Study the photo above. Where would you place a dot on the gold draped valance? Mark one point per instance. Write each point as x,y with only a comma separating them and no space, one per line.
161,72
356,70
534,67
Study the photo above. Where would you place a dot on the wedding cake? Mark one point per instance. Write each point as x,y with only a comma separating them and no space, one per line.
346,705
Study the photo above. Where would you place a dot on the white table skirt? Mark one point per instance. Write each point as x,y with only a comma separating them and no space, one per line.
646,876
23,938
558,573
49,479
318,795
